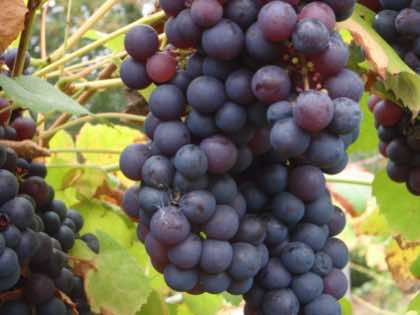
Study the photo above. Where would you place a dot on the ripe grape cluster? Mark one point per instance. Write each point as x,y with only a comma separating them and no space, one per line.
36,232
398,23
233,194
399,141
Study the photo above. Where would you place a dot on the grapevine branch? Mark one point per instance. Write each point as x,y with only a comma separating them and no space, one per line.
26,148
25,38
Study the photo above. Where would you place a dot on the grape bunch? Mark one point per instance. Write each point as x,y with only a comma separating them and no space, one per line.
8,59
36,232
398,23
233,195
14,125
399,142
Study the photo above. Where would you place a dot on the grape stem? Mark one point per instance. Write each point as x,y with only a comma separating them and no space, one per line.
26,148
84,119
81,150
85,27
7,108
100,84
351,181
105,169
25,38
151,19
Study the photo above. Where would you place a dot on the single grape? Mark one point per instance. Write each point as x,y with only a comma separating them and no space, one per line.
246,261
221,154
297,257
134,74
167,102
311,36
223,41
215,283
251,230
319,11
206,94
170,136
186,254
288,139
238,87
216,256
271,84
337,250
206,13
274,276
322,265
170,226
25,128
280,302
288,208
307,287
277,20
161,67
141,42
231,117
223,188
336,284
132,160
346,83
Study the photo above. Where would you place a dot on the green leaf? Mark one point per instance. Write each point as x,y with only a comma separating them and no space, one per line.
105,137
232,299
156,306
117,284
98,216
397,77
207,304
374,224
415,304
415,268
399,207
39,96
346,308
81,251
368,140
116,44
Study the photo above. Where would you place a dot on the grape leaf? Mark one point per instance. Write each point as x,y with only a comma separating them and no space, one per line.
106,138
368,141
399,257
415,304
399,207
235,300
39,96
12,17
373,223
208,304
116,44
415,268
346,307
98,216
116,285
396,76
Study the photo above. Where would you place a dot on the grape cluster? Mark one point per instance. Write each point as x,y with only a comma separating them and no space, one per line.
398,23
399,142
233,195
36,232
8,59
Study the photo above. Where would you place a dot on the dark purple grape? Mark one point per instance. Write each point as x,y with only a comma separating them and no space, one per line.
201,125
307,287
206,94
134,74
186,254
218,69
345,84
307,183
198,206
133,158
9,186
169,225
279,111
297,257
384,24
336,284
238,87
223,188
151,199
313,111
322,265
310,234
246,261
195,66
231,117
288,139
131,202
216,256
170,136
206,13
325,304
181,80
271,84
242,12
337,250
167,102
251,230
407,22
189,30
325,150
180,280
141,42
277,20
280,302
223,41
215,283
223,225
221,154
287,208
172,7
319,11
311,36
240,287
320,211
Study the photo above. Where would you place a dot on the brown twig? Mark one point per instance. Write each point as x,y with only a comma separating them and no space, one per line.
68,301
11,295
43,32
26,148
115,195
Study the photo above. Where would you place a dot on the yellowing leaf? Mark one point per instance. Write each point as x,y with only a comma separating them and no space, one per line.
373,223
12,17
104,137
400,256
116,286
